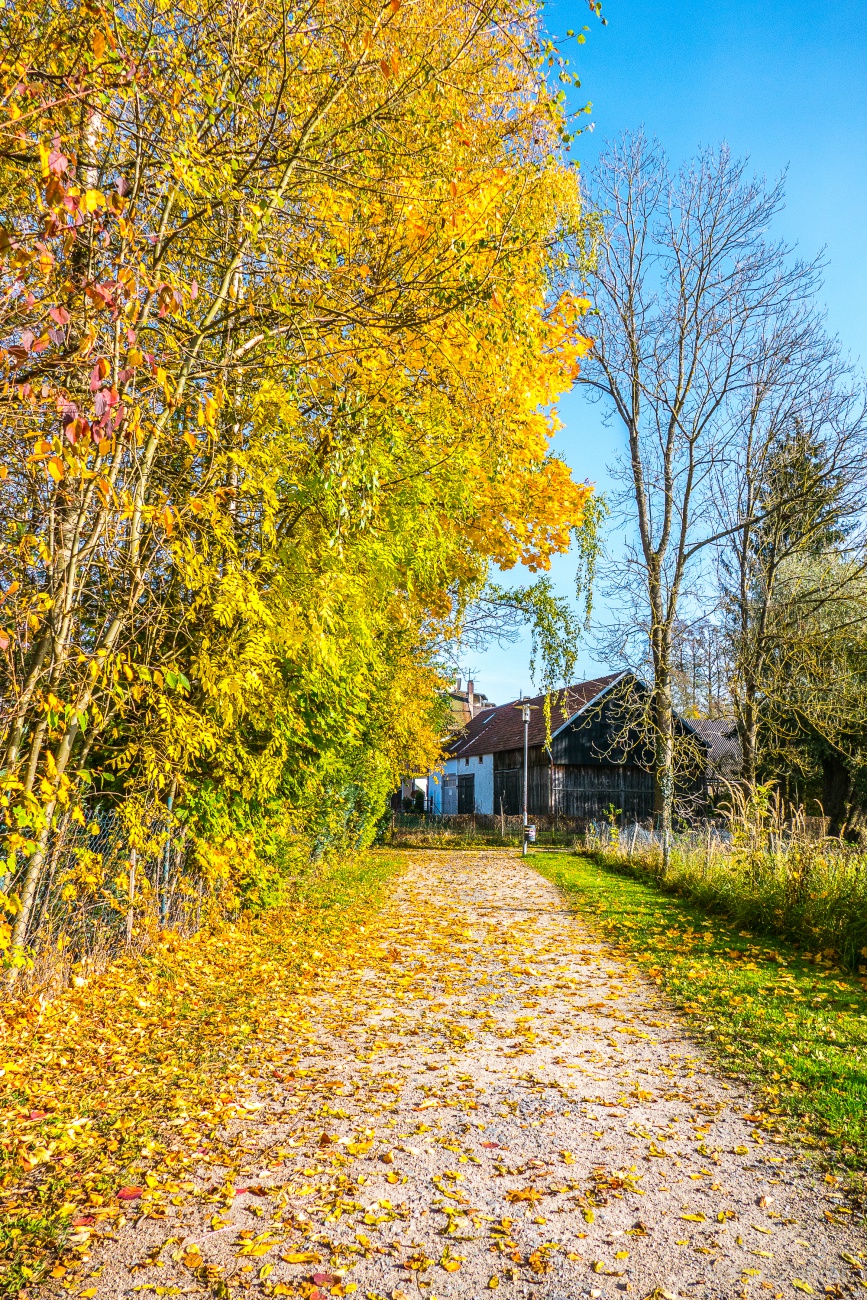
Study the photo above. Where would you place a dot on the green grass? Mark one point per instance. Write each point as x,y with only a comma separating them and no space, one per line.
813,893
795,1031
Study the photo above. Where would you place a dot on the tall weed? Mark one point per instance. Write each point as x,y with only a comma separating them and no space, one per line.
764,874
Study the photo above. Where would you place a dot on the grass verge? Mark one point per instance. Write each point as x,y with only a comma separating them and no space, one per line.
128,1080
796,1032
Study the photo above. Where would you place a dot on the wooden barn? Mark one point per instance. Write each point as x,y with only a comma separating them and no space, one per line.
598,756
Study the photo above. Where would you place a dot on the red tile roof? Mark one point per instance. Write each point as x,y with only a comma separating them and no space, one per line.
502,728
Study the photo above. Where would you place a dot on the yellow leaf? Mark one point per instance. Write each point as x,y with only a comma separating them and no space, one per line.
494,1283
301,1257
800,1285
694,1218
92,200
55,468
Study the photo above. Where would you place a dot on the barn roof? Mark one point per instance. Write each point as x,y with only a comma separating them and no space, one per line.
501,728
724,746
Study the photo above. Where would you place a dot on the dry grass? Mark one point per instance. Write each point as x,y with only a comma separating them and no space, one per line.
765,868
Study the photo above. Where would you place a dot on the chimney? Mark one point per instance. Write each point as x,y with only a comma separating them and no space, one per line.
470,695
458,687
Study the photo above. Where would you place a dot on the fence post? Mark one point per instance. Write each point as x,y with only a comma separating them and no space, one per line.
129,916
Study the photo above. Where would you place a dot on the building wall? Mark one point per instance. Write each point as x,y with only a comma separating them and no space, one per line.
443,789
484,771
443,786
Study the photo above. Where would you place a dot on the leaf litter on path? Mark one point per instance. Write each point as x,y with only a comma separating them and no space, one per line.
480,1096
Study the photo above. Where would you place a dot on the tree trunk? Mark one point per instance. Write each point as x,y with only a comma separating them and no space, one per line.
837,785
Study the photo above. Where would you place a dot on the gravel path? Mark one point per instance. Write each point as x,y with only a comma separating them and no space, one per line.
494,1103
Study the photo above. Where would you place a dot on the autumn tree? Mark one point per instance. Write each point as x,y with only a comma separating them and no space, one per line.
281,339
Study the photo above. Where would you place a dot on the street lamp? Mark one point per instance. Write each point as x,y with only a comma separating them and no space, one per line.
525,713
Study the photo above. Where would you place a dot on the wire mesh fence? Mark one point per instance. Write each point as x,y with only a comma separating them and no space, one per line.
107,886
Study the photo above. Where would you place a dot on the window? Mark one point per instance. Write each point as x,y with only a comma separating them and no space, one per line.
467,762
481,758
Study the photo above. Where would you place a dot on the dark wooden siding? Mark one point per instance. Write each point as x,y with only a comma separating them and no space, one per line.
604,738
508,792
590,791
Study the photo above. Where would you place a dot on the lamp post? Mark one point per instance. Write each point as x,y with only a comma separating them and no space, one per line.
526,716
525,708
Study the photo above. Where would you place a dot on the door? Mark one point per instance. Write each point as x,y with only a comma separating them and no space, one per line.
467,793
508,792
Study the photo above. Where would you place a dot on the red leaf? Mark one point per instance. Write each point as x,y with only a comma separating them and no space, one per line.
98,373
129,1193
38,1114
490,1145
59,315
325,1279
241,1191
83,1221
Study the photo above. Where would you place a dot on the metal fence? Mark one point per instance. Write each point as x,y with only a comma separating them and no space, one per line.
104,889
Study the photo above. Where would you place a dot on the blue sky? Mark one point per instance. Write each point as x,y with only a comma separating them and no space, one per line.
782,82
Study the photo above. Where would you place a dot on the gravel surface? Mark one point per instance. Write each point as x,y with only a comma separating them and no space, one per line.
494,1103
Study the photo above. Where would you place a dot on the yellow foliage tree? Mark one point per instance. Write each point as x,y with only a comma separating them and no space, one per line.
280,349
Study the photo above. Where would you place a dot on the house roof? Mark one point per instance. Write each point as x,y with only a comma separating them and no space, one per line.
724,746
500,728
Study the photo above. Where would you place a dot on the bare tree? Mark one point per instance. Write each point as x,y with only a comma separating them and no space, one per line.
792,490
686,280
